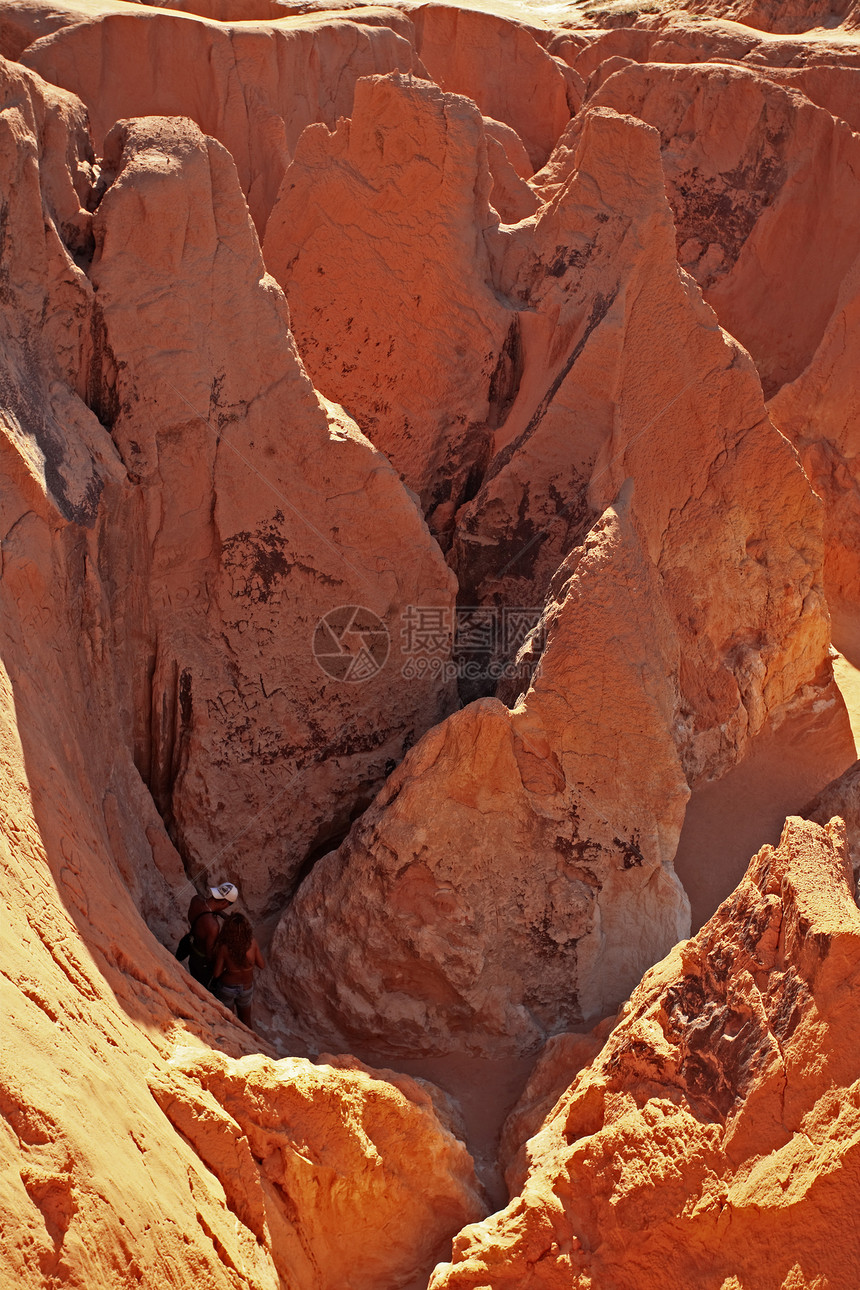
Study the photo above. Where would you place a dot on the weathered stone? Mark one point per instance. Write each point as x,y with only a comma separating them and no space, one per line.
514,875
500,65
257,512
312,1161
715,1140
820,414
99,1186
405,182
625,373
253,88
758,178
560,1061
164,669
841,797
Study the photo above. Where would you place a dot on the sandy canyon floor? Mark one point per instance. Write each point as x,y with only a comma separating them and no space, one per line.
430,501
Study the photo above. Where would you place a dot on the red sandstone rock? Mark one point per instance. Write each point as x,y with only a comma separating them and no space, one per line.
825,69
258,511
758,179
499,65
510,195
100,1186
776,15
405,182
314,1161
841,797
715,1141
734,1157
624,373
514,875
130,1150
560,1061
253,88
820,414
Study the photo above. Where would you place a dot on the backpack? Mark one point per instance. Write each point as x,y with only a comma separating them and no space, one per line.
185,946
183,949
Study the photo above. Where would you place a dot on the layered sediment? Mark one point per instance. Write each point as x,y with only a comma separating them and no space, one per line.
427,470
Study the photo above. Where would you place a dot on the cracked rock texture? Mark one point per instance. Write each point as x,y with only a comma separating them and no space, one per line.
527,279
246,486
540,884
757,177
723,1109
101,1186
411,167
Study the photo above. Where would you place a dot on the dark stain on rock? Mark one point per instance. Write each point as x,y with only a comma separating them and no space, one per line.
185,701
506,378
631,854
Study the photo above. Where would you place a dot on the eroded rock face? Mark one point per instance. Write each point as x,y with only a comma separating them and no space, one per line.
716,1139
625,373
120,1164
408,177
246,487
311,1161
820,413
757,177
179,510
841,797
560,1061
537,885
601,294
59,471
253,88
770,15
499,65
130,1147
776,16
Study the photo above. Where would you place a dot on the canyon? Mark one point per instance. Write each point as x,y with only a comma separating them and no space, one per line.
430,501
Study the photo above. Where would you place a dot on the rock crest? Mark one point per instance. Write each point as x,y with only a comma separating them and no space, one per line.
715,1118
466,383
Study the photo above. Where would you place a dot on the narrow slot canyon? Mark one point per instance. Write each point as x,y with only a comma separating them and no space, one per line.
430,596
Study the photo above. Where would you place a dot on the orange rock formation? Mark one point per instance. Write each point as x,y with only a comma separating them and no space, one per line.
721,1108
427,572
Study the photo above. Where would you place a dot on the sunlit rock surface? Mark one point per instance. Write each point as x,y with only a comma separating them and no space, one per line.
715,1140
245,487
539,884
257,574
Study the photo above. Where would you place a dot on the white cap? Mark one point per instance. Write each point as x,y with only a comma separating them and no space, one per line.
225,892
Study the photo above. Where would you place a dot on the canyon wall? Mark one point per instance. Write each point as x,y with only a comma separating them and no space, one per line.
428,469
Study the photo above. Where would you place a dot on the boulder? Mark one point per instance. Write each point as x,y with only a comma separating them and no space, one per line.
267,552
715,1140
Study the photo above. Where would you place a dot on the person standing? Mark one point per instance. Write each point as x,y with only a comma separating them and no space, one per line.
237,954
203,915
